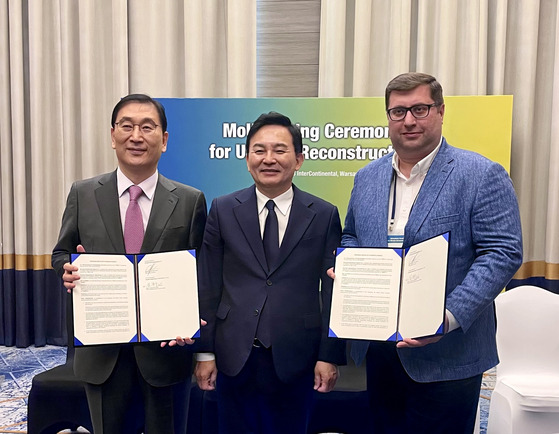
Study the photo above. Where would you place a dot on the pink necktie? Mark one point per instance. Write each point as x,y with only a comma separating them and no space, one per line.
133,223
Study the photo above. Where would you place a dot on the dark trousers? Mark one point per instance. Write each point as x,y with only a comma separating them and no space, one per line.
257,401
401,405
126,402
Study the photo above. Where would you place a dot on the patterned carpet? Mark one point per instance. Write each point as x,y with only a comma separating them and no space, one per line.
487,386
17,368
19,365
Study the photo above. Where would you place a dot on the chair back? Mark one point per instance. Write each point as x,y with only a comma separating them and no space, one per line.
527,331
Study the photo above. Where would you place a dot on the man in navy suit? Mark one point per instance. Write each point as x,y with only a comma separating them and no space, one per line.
173,217
267,313
425,188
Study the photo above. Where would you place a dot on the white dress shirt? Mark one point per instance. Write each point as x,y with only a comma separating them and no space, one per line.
283,205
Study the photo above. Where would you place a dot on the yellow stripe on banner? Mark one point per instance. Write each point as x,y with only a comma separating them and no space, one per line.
25,262
538,269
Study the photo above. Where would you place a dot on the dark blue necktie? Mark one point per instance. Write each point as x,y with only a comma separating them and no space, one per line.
271,235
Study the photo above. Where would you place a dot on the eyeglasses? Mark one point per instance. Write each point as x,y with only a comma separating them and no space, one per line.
418,111
146,128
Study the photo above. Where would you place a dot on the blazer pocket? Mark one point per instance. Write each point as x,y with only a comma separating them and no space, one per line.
445,221
313,320
310,244
173,232
312,236
222,310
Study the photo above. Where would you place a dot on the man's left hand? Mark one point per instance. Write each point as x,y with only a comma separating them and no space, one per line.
180,341
325,376
421,342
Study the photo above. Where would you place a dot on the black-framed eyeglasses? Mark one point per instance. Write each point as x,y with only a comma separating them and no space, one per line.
146,128
419,111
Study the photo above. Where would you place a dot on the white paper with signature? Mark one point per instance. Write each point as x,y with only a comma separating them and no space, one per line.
423,288
168,295
376,297
107,296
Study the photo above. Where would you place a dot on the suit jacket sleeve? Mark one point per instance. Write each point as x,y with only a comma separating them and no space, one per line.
497,241
198,222
349,236
210,280
331,350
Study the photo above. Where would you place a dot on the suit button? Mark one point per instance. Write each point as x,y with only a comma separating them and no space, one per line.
269,282
256,312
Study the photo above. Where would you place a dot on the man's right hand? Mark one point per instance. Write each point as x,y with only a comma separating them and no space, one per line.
206,374
70,272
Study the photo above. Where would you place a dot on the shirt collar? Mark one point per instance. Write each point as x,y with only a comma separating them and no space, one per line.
421,166
283,201
147,185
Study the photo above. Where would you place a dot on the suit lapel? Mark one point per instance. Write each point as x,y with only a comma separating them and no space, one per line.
300,217
164,203
106,196
378,216
246,214
440,169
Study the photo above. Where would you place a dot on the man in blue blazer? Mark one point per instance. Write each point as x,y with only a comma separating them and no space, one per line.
173,217
423,189
268,316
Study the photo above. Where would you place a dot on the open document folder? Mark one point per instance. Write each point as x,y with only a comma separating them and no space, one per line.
386,294
135,298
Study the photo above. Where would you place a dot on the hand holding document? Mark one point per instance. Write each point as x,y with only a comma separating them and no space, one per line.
180,340
390,294
135,298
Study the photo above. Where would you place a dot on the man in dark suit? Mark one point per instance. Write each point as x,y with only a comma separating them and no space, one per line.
423,189
267,313
173,217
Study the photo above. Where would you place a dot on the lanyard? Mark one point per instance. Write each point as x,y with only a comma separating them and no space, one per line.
393,207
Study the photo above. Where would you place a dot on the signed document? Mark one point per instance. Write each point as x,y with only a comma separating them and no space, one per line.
135,298
386,294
